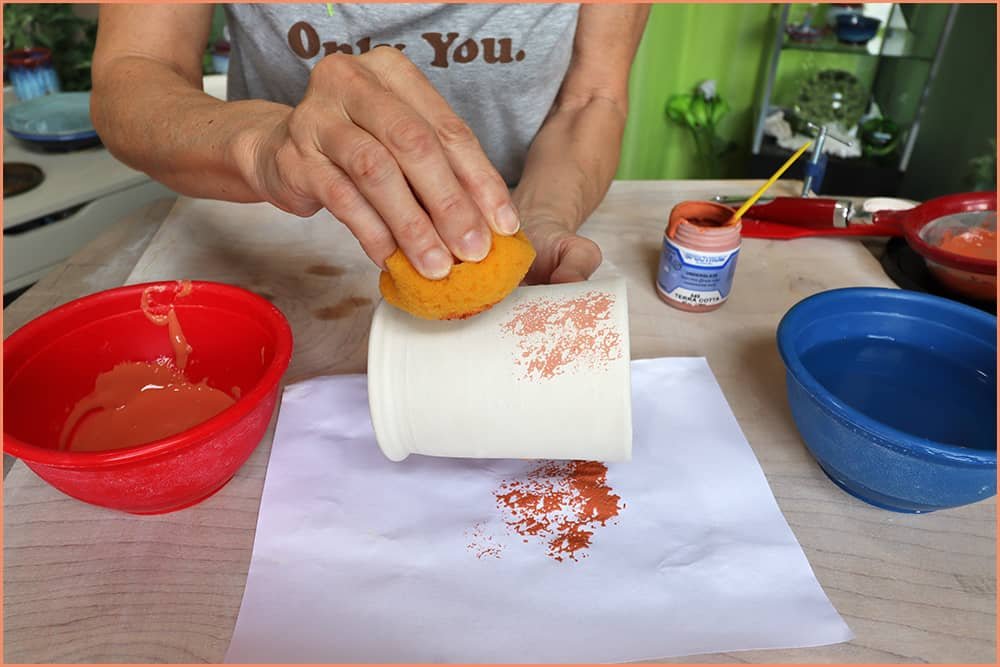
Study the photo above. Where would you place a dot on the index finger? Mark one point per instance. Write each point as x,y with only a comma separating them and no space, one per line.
424,165
471,166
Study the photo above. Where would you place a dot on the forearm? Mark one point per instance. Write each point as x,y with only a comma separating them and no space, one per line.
168,128
572,161
575,155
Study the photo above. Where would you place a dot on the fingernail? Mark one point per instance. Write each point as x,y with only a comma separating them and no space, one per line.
474,245
435,263
506,219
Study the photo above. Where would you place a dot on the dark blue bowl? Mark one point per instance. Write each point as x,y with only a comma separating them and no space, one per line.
895,394
856,29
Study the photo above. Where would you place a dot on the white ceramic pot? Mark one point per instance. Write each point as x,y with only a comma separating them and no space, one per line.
542,375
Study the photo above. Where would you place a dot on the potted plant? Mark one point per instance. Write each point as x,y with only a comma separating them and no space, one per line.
54,27
700,112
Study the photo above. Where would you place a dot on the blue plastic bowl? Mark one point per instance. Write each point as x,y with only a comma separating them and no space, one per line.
895,394
856,29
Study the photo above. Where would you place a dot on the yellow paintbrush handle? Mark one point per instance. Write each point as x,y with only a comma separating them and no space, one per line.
753,200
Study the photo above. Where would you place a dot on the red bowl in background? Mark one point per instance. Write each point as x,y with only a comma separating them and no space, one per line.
982,286
239,340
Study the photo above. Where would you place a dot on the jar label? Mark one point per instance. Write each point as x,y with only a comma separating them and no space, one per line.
694,277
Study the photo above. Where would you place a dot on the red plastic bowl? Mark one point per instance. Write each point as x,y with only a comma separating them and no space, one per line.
238,340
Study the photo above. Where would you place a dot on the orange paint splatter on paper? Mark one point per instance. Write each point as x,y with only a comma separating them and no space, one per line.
562,503
482,544
559,336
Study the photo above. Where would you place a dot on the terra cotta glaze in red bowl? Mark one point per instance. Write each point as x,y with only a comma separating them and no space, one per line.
241,344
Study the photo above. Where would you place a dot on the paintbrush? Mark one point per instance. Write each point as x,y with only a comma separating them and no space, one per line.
757,195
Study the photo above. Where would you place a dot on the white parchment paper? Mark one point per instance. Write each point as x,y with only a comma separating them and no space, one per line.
358,559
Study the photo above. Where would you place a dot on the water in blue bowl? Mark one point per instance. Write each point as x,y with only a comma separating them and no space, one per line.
912,389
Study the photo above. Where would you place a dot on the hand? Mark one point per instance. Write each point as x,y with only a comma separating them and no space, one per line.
562,256
374,143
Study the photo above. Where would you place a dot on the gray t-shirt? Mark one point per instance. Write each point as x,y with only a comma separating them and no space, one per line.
498,66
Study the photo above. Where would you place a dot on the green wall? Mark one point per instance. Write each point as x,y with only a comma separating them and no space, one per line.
685,44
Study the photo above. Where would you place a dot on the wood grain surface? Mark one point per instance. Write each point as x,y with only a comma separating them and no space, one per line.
82,584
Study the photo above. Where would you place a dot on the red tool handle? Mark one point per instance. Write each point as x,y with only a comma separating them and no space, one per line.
890,219
796,217
798,211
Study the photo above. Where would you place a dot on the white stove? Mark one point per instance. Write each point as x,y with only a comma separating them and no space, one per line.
82,193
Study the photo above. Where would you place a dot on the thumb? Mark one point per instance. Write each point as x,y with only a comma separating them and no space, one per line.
580,259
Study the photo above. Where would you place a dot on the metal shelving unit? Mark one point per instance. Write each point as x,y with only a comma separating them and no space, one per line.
896,42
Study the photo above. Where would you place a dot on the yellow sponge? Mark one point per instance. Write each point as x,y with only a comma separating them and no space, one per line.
470,288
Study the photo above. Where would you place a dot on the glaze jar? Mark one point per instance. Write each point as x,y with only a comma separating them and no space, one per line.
544,374
698,260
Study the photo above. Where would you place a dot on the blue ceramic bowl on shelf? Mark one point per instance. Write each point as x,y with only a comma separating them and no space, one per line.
856,28
895,394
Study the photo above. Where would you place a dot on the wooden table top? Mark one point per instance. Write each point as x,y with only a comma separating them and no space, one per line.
83,584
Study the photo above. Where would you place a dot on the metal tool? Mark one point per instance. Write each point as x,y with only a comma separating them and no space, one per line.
815,168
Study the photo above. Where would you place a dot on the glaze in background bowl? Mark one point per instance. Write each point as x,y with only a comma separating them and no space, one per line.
888,464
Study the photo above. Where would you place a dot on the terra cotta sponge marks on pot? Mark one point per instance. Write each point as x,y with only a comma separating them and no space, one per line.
557,336
544,376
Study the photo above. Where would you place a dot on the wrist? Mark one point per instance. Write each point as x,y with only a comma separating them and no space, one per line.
254,143
541,210
540,224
